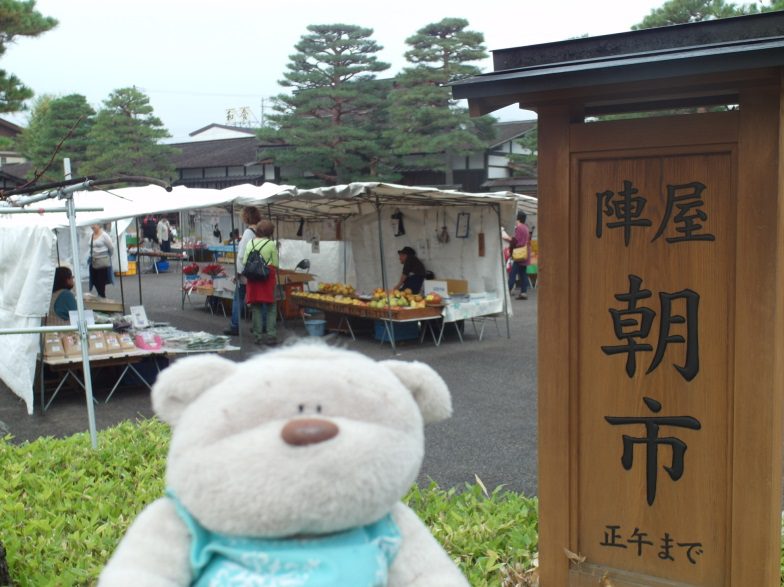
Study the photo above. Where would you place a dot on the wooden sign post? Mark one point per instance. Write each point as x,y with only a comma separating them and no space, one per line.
661,310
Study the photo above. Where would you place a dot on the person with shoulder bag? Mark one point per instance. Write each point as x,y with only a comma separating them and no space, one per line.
251,217
101,251
520,249
260,293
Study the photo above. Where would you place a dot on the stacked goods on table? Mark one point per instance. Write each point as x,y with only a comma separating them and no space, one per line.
66,345
107,343
174,338
343,299
202,279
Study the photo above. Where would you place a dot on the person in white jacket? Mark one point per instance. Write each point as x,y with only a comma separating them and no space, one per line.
251,217
163,231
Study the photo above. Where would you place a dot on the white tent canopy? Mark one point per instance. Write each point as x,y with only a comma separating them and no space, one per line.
353,211
365,210
130,202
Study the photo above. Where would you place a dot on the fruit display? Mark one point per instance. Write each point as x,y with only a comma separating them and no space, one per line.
434,299
337,289
396,299
339,293
344,298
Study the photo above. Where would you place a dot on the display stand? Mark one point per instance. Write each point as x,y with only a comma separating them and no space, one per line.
70,367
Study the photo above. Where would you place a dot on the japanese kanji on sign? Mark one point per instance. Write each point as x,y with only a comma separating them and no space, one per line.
661,307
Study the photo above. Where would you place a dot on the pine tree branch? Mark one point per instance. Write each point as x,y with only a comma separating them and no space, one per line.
38,174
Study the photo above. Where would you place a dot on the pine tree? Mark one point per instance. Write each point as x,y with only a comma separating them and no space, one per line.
331,120
18,19
424,120
686,11
57,128
124,139
526,164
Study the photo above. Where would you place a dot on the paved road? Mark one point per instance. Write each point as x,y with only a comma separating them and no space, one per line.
493,383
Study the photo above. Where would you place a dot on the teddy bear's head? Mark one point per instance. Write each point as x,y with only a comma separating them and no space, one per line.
306,439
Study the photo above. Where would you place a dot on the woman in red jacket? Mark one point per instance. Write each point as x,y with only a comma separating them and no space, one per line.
260,294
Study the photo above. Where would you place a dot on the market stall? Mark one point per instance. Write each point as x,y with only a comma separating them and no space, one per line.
32,244
456,234
126,353
349,233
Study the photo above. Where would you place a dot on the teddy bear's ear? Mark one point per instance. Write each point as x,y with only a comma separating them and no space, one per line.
428,388
185,380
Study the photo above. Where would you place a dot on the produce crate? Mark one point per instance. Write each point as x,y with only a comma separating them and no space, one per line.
427,312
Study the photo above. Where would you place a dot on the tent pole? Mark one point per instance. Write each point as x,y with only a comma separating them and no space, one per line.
233,242
384,278
497,208
345,253
139,258
82,325
119,265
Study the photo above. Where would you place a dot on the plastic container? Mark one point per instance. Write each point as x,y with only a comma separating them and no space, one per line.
400,330
315,327
131,269
162,265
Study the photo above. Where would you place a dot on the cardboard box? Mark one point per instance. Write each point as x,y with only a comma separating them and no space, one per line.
446,287
102,304
290,276
457,286
436,286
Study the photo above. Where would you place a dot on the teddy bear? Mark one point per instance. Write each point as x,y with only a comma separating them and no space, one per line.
287,470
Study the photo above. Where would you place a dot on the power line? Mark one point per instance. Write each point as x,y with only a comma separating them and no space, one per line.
192,93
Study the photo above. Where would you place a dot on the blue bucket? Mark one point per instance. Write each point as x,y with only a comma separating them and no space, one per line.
315,327
163,266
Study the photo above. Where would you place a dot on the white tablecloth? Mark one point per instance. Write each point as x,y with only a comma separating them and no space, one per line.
462,309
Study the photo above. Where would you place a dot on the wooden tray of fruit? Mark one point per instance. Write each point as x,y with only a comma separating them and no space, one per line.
409,313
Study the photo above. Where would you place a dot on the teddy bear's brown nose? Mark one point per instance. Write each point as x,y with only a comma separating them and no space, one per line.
305,431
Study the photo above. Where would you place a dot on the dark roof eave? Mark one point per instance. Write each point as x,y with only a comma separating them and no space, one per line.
562,76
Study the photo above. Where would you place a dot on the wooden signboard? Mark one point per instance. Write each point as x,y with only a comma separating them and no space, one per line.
661,312
667,415
655,267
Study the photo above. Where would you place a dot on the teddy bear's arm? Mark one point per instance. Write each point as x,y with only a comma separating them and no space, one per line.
153,553
421,561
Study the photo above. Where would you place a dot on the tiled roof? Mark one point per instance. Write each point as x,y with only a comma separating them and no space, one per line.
218,153
9,129
506,131
17,170
241,129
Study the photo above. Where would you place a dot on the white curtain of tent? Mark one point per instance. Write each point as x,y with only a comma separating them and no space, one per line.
27,262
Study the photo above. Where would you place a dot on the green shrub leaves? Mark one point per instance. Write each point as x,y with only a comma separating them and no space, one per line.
66,506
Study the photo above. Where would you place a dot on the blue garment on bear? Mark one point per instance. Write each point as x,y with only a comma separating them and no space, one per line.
359,557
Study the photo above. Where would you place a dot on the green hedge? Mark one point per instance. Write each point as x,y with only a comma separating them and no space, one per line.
65,507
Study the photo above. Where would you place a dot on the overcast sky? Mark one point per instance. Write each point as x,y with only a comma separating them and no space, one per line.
198,59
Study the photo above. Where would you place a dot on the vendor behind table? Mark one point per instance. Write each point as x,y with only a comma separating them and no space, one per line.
413,276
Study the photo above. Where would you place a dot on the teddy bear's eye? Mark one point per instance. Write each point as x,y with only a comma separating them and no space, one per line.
301,408
318,408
